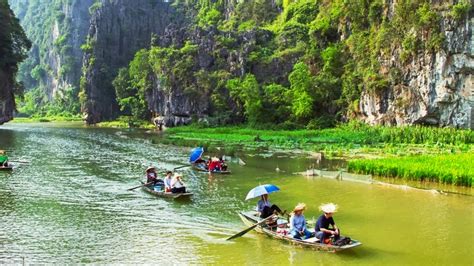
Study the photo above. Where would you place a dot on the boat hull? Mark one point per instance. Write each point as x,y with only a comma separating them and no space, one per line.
200,169
167,195
250,218
6,168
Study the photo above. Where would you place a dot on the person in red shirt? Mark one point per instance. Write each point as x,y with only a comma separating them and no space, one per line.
215,165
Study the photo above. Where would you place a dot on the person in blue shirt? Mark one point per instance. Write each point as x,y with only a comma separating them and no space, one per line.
298,223
265,208
323,230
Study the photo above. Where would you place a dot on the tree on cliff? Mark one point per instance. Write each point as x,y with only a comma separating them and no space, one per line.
14,44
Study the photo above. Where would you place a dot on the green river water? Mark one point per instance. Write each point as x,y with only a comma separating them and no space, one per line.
71,205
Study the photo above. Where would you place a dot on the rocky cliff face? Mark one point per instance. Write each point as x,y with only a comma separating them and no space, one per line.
7,100
57,30
14,47
118,29
434,88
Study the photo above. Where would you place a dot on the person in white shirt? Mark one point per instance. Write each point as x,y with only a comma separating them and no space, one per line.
168,181
177,185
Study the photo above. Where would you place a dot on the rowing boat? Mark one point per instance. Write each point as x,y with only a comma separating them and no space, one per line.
166,194
281,232
6,168
201,168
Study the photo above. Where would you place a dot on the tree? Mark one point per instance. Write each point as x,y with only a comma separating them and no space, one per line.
301,83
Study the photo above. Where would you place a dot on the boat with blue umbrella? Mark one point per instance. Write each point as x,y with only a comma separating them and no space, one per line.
279,228
198,164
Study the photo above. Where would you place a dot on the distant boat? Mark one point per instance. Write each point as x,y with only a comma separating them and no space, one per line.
251,217
6,168
162,194
202,168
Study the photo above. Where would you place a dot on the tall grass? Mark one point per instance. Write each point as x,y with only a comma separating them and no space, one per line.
349,133
445,168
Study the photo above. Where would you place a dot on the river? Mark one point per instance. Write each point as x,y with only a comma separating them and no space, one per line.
70,204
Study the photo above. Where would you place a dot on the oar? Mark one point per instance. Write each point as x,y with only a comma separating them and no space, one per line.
13,161
146,184
181,167
249,229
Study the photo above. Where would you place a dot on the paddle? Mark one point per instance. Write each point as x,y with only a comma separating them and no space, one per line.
13,161
249,229
181,167
146,184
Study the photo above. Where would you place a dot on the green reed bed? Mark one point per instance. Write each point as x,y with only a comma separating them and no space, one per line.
354,133
444,168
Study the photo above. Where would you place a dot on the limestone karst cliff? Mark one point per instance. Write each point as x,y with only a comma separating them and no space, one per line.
13,48
52,71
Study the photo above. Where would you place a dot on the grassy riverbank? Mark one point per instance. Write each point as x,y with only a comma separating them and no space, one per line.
126,122
344,139
35,119
414,153
444,168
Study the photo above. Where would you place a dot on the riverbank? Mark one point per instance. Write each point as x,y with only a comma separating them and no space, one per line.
344,140
46,119
412,153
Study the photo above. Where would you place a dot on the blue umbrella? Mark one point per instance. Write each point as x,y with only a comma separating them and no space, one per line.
196,153
260,190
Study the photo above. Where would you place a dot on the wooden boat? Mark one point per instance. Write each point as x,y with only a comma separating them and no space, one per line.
201,168
6,168
282,232
166,194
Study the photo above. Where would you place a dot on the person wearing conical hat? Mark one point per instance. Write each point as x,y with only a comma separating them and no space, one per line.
151,174
325,226
298,223
152,179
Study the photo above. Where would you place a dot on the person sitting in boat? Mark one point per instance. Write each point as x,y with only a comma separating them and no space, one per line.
167,181
223,164
151,175
265,208
200,161
152,179
215,165
298,223
177,185
3,158
322,229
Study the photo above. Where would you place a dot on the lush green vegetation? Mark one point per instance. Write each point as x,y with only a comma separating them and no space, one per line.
324,74
126,122
348,140
14,46
445,168
42,20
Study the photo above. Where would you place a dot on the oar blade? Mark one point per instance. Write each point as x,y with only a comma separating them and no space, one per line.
243,232
239,234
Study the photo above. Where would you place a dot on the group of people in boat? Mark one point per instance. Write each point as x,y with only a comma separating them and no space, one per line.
170,183
213,164
325,229
3,159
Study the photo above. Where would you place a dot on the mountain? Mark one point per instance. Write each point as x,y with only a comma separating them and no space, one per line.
13,49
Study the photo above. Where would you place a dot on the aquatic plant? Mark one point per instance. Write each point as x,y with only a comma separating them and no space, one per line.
444,168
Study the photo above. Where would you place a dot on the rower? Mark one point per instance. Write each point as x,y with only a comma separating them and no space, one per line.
152,179
322,229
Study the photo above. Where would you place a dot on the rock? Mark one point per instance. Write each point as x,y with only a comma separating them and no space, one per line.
435,88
